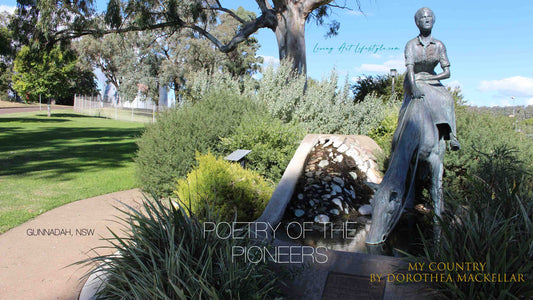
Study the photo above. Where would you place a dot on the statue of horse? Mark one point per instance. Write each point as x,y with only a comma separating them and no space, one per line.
417,155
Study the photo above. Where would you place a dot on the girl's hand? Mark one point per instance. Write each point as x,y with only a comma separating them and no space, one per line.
417,94
422,76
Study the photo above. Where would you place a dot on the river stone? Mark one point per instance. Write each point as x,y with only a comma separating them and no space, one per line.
321,218
336,188
299,212
300,196
365,210
328,143
311,202
337,143
334,212
323,163
339,158
354,175
309,174
339,181
342,148
337,202
352,153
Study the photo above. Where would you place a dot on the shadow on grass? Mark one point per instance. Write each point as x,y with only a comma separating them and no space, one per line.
60,150
33,120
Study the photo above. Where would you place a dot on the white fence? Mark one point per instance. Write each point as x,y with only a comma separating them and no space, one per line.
119,109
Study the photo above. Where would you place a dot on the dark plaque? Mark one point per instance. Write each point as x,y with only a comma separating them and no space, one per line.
341,286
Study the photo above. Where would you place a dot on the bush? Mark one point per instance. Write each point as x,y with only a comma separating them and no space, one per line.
384,132
482,134
281,90
167,148
491,224
323,108
225,186
168,255
272,142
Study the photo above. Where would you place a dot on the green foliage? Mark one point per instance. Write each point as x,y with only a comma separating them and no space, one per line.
169,255
380,86
492,224
481,133
281,90
323,108
52,74
167,148
201,83
272,142
383,134
226,187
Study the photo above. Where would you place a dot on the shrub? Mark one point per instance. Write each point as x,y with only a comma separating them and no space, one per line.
201,84
491,224
167,148
225,186
380,85
323,108
482,134
281,90
168,255
272,142
384,132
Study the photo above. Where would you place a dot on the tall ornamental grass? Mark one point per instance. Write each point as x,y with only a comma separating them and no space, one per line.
492,223
167,255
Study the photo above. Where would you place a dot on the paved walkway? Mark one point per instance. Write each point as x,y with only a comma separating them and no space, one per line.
36,267
12,110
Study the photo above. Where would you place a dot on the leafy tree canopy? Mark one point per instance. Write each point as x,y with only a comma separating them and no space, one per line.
51,21
50,73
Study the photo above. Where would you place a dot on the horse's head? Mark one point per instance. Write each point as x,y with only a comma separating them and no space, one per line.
387,207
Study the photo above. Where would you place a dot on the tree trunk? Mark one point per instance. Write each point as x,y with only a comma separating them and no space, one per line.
290,34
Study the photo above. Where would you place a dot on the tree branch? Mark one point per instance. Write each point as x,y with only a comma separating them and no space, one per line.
228,11
264,5
263,21
310,5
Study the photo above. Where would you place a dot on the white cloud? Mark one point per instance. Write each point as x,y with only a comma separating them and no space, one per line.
9,9
516,86
454,84
357,13
530,101
383,68
270,60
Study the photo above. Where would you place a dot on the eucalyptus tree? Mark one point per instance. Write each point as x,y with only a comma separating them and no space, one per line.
63,20
159,57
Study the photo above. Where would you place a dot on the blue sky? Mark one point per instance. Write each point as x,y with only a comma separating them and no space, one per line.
490,46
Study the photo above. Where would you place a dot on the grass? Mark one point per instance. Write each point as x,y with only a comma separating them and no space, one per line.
47,162
124,114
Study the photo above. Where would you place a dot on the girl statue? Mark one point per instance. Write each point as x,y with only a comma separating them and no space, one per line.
422,54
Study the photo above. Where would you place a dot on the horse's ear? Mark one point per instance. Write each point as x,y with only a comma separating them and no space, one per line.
373,186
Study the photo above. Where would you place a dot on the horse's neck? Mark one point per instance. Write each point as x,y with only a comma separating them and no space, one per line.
406,147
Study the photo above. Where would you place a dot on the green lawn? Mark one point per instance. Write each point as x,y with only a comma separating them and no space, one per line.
47,162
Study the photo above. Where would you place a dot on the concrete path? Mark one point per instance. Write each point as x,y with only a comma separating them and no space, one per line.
35,266
12,110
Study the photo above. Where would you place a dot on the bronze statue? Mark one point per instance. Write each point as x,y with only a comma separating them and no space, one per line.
422,54
427,119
